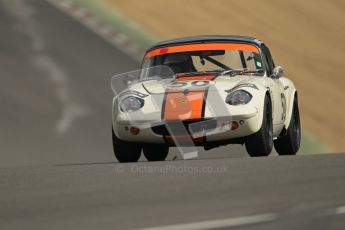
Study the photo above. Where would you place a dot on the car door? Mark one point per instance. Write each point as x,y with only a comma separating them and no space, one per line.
276,88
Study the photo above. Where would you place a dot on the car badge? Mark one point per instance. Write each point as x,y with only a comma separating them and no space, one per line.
183,101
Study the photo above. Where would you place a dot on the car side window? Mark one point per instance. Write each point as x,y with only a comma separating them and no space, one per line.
268,60
265,61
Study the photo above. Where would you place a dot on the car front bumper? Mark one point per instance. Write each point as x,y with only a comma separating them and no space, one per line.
209,129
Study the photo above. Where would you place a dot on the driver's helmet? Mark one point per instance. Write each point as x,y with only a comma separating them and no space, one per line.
179,63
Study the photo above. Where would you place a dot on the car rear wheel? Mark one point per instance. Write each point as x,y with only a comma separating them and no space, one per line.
156,152
125,151
261,143
290,143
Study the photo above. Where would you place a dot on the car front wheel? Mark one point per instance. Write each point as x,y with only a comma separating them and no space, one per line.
261,143
125,151
155,152
290,143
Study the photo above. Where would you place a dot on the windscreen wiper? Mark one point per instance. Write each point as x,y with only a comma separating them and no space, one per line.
198,73
233,72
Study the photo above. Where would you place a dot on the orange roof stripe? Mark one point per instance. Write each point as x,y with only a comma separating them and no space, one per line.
201,47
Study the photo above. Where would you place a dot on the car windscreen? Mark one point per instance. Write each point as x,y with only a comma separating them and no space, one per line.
205,58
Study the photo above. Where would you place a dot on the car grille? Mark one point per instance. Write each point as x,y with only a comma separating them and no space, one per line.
199,126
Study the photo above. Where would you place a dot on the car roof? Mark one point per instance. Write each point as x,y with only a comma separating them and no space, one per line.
207,39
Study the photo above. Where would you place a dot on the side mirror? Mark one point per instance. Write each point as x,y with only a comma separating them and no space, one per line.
278,72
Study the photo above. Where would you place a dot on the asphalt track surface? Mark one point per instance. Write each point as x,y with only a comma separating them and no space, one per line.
57,169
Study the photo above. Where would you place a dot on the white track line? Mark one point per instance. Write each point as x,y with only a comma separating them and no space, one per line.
70,108
107,32
223,223
340,210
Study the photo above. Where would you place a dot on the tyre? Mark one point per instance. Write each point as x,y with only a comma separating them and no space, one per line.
125,151
156,152
290,143
261,143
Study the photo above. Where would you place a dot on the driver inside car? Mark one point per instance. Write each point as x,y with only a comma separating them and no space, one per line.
179,63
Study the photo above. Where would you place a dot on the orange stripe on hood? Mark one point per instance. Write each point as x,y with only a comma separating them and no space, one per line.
181,106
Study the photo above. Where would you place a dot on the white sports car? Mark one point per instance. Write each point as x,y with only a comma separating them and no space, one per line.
205,91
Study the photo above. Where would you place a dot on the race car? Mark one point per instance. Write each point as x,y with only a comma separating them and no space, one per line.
205,91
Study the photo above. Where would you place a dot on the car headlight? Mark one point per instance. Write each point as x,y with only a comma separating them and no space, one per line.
239,97
131,104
